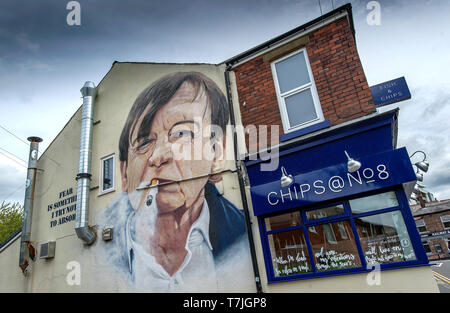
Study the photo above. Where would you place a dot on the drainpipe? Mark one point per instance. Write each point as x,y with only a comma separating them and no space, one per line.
82,228
26,249
242,188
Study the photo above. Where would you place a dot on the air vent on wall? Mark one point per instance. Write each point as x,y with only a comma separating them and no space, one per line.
47,250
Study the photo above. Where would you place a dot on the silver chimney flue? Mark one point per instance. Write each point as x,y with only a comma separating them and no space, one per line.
82,228
26,249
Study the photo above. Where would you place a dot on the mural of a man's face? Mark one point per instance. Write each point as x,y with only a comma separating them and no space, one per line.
186,117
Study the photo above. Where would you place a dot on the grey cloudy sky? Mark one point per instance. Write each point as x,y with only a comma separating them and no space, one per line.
44,62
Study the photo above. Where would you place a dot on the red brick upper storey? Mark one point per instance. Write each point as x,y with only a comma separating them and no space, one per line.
339,78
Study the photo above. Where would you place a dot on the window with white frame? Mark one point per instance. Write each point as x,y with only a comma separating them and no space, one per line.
421,227
445,219
296,91
107,178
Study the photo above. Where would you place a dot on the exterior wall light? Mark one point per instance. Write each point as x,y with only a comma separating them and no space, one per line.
419,175
422,165
352,165
286,179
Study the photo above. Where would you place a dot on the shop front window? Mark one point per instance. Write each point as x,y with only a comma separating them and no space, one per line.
325,212
333,255
375,202
340,238
289,253
283,221
385,238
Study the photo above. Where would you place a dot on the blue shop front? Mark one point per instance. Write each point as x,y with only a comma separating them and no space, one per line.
343,207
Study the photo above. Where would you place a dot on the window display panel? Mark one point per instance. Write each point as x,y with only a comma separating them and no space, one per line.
283,221
325,212
384,238
289,253
334,246
375,202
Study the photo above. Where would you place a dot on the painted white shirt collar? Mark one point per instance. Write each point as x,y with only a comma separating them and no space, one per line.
197,242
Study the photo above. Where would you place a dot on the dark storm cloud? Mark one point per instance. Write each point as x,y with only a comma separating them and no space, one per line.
112,26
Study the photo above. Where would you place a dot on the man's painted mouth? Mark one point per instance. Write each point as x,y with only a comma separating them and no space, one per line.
165,184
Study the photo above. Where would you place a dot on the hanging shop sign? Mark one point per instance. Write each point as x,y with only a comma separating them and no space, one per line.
377,171
389,92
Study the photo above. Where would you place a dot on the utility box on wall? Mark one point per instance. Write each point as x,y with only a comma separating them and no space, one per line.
47,250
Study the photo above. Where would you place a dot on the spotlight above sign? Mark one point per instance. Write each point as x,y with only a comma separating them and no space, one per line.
389,92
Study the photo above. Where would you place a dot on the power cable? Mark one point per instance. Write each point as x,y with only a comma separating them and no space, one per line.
13,155
14,135
12,193
13,159
27,143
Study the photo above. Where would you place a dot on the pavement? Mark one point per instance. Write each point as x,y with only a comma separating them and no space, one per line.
441,272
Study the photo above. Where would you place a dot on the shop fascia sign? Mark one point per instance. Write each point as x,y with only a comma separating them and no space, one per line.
377,171
442,233
389,92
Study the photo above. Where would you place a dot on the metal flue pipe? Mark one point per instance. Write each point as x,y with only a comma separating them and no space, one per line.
28,204
82,228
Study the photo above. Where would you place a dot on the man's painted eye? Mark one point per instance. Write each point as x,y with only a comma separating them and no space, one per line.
143,145
182,134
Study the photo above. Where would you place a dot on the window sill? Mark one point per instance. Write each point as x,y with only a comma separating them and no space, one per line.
345,272
305,130
104,192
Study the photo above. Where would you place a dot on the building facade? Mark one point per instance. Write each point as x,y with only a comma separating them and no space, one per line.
433,224
270,172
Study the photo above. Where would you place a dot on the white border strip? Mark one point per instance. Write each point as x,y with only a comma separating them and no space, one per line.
10,242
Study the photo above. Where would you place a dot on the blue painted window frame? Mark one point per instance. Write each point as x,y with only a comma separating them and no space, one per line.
403,207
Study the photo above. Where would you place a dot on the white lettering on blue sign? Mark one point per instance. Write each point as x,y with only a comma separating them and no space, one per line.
335,184
319,187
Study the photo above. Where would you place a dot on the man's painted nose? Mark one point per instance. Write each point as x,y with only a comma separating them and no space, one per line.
160,156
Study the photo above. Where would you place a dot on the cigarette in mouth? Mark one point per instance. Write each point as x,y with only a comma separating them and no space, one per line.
150,195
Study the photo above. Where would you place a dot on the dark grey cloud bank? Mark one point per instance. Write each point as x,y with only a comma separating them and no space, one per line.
44,61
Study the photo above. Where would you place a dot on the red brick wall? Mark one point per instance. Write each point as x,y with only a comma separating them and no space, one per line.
338,74
434,224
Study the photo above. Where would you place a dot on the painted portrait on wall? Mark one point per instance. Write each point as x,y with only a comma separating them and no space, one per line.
173,230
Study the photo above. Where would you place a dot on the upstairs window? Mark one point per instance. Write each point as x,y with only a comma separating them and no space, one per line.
296,92
445,219
107,179
421,227
426,246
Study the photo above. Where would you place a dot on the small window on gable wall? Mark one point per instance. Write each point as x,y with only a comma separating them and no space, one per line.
296,92
107,178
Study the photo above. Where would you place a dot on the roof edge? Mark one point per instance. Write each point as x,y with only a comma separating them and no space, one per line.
344,8
10,239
